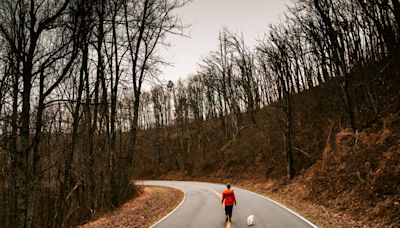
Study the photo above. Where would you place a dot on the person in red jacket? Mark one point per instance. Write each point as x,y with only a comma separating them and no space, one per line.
228,197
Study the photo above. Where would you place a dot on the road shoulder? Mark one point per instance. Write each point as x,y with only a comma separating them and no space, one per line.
142,211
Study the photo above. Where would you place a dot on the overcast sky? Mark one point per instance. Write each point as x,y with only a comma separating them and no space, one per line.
207,18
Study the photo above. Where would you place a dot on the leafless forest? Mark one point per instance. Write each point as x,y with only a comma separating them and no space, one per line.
72,103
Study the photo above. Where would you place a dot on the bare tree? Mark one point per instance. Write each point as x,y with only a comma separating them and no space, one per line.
147,22
37,26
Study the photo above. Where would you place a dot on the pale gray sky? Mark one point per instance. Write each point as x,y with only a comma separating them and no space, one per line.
207,18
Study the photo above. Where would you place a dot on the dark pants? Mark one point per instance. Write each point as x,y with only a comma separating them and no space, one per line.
228,211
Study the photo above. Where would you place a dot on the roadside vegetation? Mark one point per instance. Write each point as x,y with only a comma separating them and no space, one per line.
311,113
147,207
72,73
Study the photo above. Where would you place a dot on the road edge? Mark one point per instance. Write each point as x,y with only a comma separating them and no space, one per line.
286,208
171,212
271,200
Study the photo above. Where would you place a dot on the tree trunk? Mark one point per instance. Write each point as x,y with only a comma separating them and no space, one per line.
288,138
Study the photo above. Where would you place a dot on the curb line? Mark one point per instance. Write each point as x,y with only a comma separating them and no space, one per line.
291,211
170,213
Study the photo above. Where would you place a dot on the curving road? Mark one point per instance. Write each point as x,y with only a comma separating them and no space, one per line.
201,208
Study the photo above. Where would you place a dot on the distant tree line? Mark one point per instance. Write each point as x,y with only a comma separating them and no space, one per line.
350,43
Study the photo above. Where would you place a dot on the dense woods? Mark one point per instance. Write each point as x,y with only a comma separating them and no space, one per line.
312,109
71,80
76,123
348,49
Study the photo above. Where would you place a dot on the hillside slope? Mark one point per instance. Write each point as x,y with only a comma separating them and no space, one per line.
349,173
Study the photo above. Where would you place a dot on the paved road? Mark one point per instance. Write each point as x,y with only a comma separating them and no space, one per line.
201,208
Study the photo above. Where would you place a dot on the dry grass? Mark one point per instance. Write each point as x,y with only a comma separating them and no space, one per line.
356,183
344,178
142,211
292,197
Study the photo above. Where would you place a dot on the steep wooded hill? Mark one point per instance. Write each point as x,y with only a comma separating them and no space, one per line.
355,172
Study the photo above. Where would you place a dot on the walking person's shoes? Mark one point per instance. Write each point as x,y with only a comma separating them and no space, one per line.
226,219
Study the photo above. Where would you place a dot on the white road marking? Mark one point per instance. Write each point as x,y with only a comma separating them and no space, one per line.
273,201
216,193
176,208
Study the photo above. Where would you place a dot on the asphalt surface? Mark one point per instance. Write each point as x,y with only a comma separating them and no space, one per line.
202,208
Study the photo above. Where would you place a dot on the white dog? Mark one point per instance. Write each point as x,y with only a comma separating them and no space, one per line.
250,220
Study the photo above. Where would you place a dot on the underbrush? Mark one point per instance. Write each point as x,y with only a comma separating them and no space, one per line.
353,172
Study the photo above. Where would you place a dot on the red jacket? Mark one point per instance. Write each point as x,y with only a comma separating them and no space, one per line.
229,196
